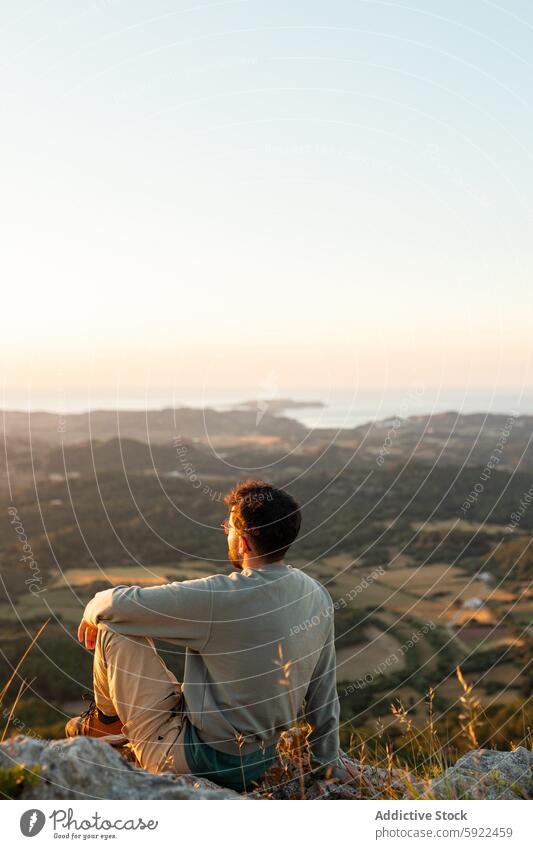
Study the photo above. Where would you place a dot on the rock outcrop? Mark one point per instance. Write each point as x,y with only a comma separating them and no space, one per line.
486,774
85,768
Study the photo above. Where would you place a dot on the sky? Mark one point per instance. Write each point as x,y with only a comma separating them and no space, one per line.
203,196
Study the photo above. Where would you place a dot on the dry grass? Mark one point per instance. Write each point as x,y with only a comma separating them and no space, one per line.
21,661
380,767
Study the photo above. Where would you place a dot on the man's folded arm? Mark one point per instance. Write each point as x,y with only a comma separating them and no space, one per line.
322,710
180,611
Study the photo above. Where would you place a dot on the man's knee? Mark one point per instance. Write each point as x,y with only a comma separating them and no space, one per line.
105,637
108,641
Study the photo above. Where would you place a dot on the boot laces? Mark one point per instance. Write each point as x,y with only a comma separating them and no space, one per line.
88,697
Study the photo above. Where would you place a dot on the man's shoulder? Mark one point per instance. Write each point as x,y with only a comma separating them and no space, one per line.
239,580
311,581
309,584
216,580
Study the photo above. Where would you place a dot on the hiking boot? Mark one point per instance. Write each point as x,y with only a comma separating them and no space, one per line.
93,723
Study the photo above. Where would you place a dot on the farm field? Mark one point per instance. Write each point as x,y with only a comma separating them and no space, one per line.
412,581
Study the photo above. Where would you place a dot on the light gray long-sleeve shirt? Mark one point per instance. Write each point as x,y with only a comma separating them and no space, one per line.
233,627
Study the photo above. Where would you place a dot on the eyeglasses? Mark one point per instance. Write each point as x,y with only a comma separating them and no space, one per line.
226,527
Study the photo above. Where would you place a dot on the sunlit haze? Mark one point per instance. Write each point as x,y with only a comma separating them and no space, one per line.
253,196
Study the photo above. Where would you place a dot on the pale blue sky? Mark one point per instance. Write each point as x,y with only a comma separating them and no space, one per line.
214,194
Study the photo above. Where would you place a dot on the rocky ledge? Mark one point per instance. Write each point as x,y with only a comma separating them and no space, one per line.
84,768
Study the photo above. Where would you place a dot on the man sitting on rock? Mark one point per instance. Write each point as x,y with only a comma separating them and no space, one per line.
260,657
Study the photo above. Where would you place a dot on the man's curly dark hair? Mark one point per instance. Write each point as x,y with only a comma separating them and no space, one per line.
270,515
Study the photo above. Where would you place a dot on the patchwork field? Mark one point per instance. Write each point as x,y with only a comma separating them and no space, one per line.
380,651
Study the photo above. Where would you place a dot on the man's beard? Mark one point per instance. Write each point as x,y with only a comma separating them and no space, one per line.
234,557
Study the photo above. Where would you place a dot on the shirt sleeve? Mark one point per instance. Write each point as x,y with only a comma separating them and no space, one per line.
322,709
180,611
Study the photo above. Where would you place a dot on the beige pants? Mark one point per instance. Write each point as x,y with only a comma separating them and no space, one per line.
132,681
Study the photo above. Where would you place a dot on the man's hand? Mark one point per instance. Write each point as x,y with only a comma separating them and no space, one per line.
87,634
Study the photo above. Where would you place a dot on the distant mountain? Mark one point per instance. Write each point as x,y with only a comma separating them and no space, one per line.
155,426
445,438
276,405
244,439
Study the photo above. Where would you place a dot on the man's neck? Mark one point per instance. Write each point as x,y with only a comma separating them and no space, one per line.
251,564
